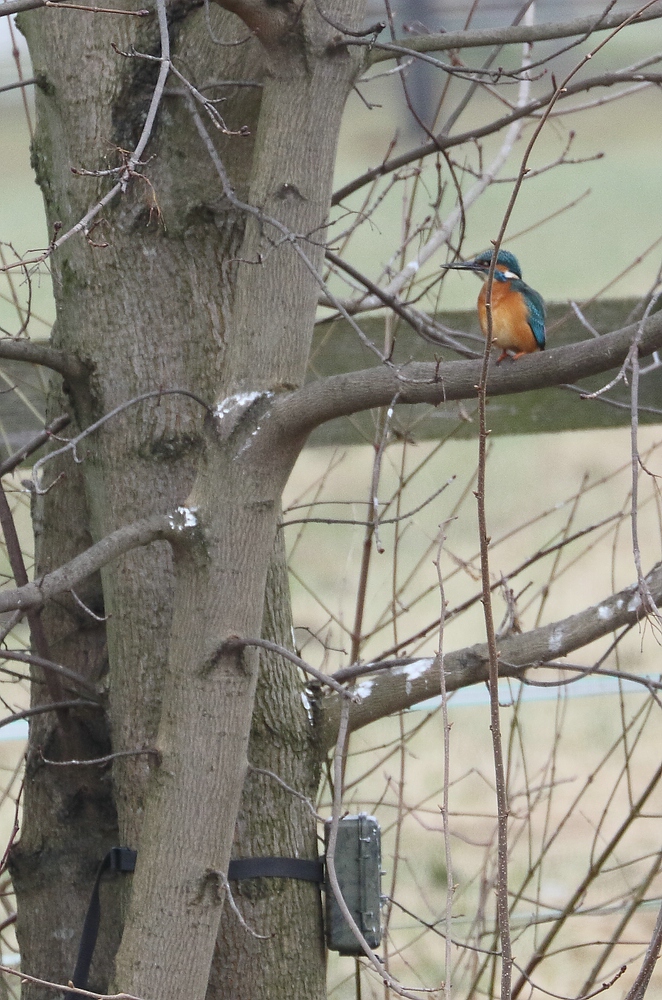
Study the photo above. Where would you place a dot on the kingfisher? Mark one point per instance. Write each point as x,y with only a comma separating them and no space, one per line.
518,312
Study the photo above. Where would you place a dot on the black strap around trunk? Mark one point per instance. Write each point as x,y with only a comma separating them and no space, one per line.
243,868
123,859
118,859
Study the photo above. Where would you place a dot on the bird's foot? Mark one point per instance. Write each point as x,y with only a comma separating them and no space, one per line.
513,357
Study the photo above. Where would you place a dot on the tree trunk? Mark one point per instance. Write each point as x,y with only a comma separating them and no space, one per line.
69,817
166,305
274,822
221,573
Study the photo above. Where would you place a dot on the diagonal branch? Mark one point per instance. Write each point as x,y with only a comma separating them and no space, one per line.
48,665
235,642
51,706
73,442
161,527
638,989
58,988
411,683
445,141
43,437
300,412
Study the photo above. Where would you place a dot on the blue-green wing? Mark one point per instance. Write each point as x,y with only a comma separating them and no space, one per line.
536,317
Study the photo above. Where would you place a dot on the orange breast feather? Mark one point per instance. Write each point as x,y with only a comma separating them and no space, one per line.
510,325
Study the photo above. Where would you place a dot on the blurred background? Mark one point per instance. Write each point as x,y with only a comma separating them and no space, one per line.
574,255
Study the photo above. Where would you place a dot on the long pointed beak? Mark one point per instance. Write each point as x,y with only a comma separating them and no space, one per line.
468,265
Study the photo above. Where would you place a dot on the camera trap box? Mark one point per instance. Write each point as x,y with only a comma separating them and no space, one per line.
358,864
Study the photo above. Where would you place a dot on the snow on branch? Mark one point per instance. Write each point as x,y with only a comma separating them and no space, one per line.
410,683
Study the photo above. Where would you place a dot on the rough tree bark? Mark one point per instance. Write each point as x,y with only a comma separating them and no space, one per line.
167,304
208,690
274,822
69,817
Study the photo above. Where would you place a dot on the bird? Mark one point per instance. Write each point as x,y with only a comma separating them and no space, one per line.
518,312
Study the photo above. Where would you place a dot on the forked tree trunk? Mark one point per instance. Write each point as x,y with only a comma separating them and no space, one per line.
167,305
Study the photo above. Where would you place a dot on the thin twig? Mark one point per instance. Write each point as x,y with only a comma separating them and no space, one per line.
56,706
382,520
60,988
73,442
98,760
595,867
134,159
35,444
288,788
445,142
236,643
19,83
39,661
98,10
502,899
445,808
88,611
223,879
638,989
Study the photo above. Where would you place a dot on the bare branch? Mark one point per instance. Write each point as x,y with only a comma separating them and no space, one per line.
288,788
133,160
98,10
107,759
411,683
19,83
569,908
640,985
340,395
73,442
236,643
58,987
382,520
160,527
441,235
39,661
443,141
37,442
52,706
479,38
40,354
223,879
